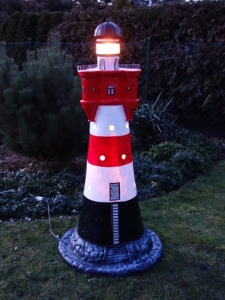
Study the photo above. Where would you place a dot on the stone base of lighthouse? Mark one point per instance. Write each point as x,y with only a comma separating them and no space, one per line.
110,240
114,260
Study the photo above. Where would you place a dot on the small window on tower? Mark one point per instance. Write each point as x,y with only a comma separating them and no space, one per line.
110,90
102,64
116,64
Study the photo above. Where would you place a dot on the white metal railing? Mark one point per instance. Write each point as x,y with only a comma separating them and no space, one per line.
130,66
86,67
123,66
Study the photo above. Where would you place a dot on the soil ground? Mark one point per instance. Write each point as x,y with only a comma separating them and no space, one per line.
12,161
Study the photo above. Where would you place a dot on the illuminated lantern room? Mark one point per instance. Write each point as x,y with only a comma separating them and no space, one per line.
108,36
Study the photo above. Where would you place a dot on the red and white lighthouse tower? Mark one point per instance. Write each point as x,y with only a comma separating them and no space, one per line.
110,238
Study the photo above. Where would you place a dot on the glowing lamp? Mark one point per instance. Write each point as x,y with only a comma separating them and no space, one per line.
108,36
107,47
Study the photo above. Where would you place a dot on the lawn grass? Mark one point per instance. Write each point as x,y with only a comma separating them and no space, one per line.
190,222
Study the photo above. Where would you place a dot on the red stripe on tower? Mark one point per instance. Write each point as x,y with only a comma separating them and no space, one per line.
109,156
111,151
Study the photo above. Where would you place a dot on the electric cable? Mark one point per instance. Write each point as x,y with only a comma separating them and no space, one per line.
47,201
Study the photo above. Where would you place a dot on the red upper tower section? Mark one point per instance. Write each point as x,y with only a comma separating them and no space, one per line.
117,87
108,83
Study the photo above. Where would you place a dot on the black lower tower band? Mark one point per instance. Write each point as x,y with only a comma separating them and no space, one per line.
96,223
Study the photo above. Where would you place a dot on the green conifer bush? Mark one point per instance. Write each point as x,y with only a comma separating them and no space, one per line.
40,115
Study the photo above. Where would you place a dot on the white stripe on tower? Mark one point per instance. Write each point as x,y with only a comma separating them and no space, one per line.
109,156
115,223
98,179
105,119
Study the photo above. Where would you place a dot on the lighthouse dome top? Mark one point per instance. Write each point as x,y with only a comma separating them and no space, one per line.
108,30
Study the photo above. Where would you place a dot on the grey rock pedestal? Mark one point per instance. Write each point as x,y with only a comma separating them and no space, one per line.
114,260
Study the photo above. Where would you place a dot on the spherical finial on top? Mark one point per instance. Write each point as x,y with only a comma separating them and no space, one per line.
108,30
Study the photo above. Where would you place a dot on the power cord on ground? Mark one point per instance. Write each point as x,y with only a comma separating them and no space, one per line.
47,201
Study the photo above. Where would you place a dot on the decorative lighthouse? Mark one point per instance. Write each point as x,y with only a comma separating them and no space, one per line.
110,238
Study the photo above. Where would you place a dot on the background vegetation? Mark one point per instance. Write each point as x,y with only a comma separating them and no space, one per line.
186,22
40,112
10,6
187,50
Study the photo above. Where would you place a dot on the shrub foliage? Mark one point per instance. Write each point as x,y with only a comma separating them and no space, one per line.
18,189
20,26
153,121
168,165
40,113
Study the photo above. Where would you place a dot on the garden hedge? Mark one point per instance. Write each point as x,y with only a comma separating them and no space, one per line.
20,26
187,50
186,22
